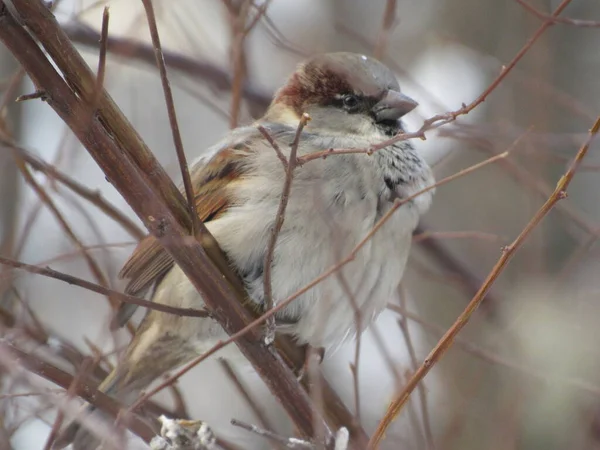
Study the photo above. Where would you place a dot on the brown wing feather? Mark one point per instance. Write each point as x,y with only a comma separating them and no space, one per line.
149,261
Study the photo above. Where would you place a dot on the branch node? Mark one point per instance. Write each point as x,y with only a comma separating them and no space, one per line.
41,94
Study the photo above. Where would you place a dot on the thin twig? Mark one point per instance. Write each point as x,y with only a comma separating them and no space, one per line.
11,89
387,25
445,118
33,96
275,146
562,20
238,16
90,195
280,216
177,141
261,12
147,188
508,252
543,189
125,298
70,394
101,72
492,358
86,391
412,354
287,442
246,394
477,235
217,77
329,272
45,198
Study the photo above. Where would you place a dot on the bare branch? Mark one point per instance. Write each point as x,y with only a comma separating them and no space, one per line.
92,196
125,298
560,192
147,188
280,216
387,25
562,20
178,142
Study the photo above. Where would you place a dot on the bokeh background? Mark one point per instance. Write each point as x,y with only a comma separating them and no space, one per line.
524,374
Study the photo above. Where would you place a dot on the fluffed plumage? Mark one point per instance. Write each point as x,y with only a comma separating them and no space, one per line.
353,102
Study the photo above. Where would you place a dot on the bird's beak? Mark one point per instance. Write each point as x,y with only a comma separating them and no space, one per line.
393,106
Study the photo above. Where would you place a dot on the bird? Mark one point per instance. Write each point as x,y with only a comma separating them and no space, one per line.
353,102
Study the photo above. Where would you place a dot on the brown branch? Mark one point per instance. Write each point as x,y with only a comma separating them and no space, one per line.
281,440
46,200
219,79
275,146
562,20
492,358
125,298
387,24
85,389
94,197
71,392
238,12
412,354
280,216
329,272
177,141
101,72
144,184
508,252
246,394
445,118
476,235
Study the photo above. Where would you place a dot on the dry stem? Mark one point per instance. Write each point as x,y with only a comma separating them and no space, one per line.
508,252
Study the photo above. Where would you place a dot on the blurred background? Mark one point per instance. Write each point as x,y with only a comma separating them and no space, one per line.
524,374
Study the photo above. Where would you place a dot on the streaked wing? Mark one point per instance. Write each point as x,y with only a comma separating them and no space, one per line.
211,179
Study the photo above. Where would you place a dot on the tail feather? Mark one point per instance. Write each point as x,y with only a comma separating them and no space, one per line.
149,355
82,438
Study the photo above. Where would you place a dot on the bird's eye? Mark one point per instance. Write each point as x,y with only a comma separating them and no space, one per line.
350,101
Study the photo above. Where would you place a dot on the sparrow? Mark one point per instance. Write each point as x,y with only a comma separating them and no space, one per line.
354,102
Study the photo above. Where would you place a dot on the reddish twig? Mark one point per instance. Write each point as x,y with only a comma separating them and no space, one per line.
177,140
562,20
246,394
238,12
292,443
147,188
125,298
477,235
217,77
508,252
443,119
412,354
275,146
329,272
387,25
292,162
492,358
45,198
101,72
90,195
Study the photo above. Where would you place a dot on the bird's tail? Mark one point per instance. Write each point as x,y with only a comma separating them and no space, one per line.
148,357
82,437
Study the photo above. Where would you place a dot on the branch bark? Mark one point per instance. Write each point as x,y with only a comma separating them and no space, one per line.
133,170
